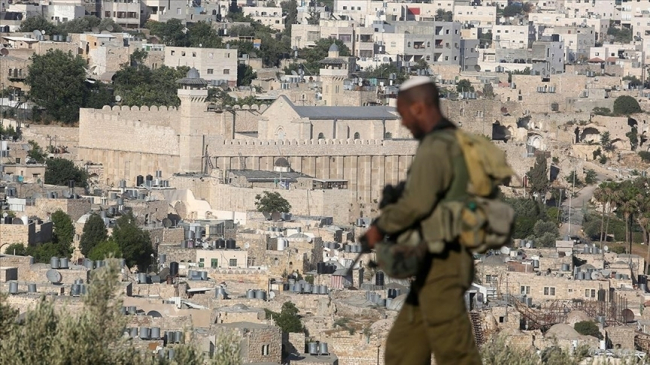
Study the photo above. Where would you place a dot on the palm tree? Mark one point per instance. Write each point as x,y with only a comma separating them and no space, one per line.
602,197
611,191
629,204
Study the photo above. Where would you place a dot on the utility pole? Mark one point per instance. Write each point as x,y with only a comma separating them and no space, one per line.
570,199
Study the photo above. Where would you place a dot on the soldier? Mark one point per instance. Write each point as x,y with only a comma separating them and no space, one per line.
433,318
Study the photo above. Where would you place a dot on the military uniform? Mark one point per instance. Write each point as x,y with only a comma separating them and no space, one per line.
434,318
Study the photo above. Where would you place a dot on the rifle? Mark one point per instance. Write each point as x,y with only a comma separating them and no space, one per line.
364,250
389,195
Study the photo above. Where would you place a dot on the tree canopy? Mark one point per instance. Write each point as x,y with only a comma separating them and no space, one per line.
57,83
60,171
538,177
625,105
49,335
174,33
133,242
271,202
94,232
139,85
105,250
78,25
288,319
63,232
313,55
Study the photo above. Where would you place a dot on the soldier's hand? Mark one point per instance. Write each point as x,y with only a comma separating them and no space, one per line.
372,236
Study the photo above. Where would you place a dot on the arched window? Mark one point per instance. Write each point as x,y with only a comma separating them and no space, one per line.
357,135
321,136
388,135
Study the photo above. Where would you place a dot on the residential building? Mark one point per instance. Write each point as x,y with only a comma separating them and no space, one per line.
269,16
125,13
577,41
435,42
513,36
548,57
215,65
222,259
479,16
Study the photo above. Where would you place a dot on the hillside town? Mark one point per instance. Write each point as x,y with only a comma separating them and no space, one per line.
230,154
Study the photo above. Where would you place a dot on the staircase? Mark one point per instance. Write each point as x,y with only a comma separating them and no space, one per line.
475,317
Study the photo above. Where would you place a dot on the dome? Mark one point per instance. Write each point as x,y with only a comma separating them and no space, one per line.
334,48
281,162
193,74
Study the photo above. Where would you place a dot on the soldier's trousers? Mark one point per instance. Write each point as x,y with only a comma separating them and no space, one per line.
439,324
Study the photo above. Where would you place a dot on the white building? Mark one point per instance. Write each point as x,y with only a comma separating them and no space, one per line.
215,65
269,16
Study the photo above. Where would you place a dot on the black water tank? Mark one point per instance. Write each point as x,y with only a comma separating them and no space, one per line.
319,267
149,178
220,243
643,279
173,269
379,278
139,180
230,244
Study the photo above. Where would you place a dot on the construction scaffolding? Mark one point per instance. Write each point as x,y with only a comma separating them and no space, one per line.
609,313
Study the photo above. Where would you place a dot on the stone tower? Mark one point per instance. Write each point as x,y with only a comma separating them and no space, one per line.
334,71
193,93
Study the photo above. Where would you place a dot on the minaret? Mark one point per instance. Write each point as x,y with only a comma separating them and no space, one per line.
192,93
334,70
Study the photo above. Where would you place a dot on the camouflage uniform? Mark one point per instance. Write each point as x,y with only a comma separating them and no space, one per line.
434,318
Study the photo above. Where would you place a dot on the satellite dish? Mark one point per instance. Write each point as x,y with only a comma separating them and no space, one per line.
118,98
105,32
95,30
166,222
271,294
477,68
4,51
43,32
606,273
247,245
628,315
154,314
37,33
596,275
505,250
606,248
109,28
53,276
293,72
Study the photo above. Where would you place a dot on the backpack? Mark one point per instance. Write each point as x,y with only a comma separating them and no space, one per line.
482,221
479,221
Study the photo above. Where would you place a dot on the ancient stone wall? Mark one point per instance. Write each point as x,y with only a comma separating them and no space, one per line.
17,233
44,207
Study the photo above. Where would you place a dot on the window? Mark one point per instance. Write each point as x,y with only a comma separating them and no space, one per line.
321,136
201,262
265,350
193,54
226,71
357,135
211,55
525,289
590,293
210,71
173,53
388,135
214,263
232,262
183,54
549,290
